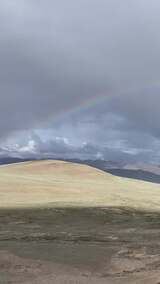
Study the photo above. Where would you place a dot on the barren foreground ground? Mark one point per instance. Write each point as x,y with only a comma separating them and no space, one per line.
65,223
96,245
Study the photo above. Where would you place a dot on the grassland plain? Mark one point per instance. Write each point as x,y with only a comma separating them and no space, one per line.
67,223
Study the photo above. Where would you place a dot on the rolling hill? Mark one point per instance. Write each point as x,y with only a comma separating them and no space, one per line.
58,183
62,221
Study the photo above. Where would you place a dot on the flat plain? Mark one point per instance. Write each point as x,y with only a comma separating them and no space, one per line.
68,223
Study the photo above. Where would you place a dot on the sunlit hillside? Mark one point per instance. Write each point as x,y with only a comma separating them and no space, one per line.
57,183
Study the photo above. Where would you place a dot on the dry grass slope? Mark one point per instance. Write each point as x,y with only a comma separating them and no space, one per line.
57,183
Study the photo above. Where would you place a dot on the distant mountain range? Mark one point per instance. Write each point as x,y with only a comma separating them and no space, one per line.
150,173
100,164
11,160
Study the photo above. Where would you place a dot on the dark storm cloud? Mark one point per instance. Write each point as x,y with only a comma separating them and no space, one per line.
57,54
60,147
45,66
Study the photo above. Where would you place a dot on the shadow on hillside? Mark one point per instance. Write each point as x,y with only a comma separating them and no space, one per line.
79,224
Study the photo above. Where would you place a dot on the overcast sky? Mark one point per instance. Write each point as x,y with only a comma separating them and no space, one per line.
80,78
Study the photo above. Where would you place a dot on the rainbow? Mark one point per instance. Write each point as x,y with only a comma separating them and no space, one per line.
152,88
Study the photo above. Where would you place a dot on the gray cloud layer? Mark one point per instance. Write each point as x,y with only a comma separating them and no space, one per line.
57,54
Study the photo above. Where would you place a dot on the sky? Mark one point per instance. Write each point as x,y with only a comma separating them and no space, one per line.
80,79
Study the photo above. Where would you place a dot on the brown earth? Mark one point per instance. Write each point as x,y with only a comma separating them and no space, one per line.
96,245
